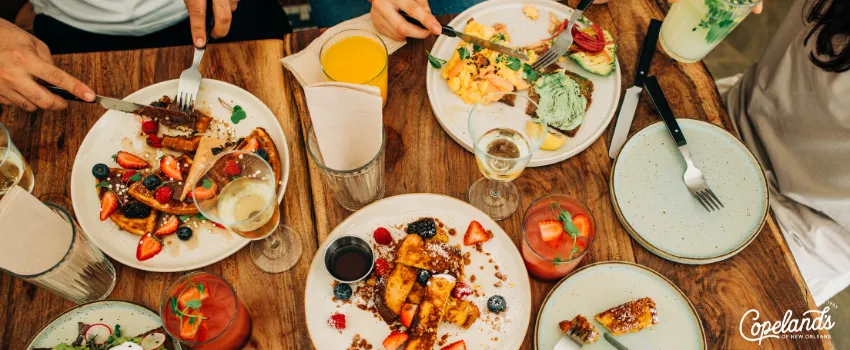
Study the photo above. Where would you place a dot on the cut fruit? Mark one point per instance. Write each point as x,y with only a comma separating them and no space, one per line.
408,311
395,340
191,324
252,145
551,232
458,345
108,204
475,233
130,161
98,333
153,341
169,227
601,63
148,247
171,168
584,225
553,141
205,193
192,294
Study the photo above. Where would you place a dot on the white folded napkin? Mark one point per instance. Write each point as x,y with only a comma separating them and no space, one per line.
348,123
35,238
306,66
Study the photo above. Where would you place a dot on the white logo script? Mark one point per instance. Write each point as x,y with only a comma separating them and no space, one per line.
762,330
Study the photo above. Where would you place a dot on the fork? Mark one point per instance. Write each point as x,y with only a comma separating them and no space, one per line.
563,41
190,81
694,179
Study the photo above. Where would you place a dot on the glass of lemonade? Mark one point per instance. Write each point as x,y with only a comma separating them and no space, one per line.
693,28
13,169
358,57
504,138
202,311
237,189
549,248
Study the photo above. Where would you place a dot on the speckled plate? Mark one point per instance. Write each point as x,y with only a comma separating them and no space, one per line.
652,202
134,319
491,331
601,286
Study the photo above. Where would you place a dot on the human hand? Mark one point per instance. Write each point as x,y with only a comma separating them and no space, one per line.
222,15
756,9
23,59
389,22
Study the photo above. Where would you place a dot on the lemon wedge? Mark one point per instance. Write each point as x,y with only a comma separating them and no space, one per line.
552,142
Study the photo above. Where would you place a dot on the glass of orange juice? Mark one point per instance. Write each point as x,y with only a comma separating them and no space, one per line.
358,57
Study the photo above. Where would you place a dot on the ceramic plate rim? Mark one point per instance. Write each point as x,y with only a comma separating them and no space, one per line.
284,177
683,259
535,162
692,309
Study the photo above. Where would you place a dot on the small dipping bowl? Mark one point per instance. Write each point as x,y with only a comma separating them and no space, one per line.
349,259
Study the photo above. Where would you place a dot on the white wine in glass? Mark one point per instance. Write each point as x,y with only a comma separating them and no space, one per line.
13,168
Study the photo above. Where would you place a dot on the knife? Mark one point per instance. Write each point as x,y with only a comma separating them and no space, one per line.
451,32
610,338
167,117
632,96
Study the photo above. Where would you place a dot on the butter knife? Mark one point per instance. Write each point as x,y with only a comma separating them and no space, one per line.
451,32
610,339
632,95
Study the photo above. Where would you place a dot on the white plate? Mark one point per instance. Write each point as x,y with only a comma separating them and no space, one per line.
601,286
657,210
399,210
105,139
453,114
133,318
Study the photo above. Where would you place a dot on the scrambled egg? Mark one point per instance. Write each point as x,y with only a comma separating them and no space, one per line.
481,71
530,12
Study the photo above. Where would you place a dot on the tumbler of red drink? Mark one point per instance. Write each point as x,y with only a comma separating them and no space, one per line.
555,259
201,311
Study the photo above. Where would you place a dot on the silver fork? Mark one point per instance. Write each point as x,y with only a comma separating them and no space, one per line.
693,177
190,81
563,41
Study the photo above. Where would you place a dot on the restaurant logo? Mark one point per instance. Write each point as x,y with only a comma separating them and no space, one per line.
789,327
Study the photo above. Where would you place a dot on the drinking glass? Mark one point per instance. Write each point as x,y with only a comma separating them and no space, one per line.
355,188
356,56
202,311
237,189
552,261
693,28
13,169
504,139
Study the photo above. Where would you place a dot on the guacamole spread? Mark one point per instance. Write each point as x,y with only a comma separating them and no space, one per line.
561,104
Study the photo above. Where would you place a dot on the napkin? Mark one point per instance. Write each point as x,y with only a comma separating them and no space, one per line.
347,121
35,238
306,66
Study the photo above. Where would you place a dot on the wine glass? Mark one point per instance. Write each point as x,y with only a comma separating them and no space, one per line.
237,190
504,138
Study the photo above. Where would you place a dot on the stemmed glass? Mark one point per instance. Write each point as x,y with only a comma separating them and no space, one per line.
237,190
504,138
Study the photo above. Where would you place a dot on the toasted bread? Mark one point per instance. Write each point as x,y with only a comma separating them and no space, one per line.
423,329
391,291
181,143
432,256
461,312
585,88
174,206
580,329
630,317
135,226
416,294
267,144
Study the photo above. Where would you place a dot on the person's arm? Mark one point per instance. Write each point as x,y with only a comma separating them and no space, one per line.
222,14
23,59
387,20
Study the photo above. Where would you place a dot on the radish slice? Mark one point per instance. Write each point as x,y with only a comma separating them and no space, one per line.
153,341
98,333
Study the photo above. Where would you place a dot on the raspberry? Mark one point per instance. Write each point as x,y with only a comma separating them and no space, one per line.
461,291
382,236
149,127
163,194
337,321
154,141
231,168
381,267
127,175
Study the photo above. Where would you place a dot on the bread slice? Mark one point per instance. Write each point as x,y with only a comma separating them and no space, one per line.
137,227
585,88
630,317
580,329
423,329
461,312
432,256
392,291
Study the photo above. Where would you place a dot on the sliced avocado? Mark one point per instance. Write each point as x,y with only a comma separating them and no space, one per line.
601,63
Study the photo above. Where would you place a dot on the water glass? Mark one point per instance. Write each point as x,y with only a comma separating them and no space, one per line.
13,169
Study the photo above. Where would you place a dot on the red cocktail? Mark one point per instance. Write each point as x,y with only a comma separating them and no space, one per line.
557,232
202,311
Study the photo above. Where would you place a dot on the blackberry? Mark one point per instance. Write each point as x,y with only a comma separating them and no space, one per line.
423,276
263,154
423,227
136,210
100,171
496,304
184,233
151,182
342,291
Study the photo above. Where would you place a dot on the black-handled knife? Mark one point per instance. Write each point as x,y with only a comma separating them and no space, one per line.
646,52
664,110
451,32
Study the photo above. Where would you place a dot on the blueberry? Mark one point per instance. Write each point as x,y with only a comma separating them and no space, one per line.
159,104
496,304
151,182
100,171
263,154
136,210
426,228
184,233
342,291
423,276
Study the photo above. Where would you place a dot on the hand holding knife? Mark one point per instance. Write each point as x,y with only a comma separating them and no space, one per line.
451,32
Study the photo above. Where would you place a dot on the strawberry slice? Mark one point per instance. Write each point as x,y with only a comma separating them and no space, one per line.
205,193
130,161
395,340
148,247
171,168
585,226
408,311
551,231
170,226
108,205
475,234
252,146
193,293
191,324
458,345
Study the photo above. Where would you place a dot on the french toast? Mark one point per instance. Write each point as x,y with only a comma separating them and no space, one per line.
432,256
391,291
265,142
139,226
174,206
580,329
423,329
461,312
630,317
183,144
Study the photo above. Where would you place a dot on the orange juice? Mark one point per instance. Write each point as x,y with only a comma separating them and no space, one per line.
356,57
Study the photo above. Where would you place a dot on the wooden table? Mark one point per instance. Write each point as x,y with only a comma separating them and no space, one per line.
421,158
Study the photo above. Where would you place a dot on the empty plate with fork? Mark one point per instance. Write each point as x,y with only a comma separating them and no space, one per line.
714,218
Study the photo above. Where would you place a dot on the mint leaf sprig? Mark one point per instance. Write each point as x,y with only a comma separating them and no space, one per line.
567,220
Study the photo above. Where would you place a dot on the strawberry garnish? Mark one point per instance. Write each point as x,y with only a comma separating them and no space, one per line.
163,194
108,205
407,313
170,226
148,247
129,161
125,177
231,168
192,294
218,225
381,267
475,234
154,141
149,126
395,340
551,232
170,167
202,193
337,321
191,324
252,146
458,345
382,236
584,225
461,291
